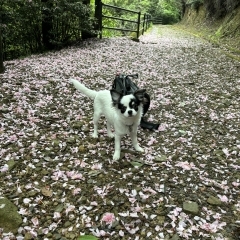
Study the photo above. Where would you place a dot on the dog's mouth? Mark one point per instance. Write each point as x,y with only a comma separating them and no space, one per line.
131,116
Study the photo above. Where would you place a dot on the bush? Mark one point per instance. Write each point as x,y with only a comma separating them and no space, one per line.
23,24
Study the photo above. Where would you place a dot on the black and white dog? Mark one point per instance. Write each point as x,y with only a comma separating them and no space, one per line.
122,112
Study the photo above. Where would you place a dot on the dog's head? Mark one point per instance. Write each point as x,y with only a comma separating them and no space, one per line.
128,105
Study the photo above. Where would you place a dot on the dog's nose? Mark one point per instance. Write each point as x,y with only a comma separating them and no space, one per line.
130,112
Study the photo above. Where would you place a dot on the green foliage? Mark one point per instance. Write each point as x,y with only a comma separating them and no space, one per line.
194,2
28,26
22,24
134,5
126,4
69,19
169,10
112,22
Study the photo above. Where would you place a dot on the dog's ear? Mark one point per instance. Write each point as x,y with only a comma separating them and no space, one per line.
116,96
139,94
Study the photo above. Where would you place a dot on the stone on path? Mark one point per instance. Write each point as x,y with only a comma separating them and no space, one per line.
10,219
191,207
175,237
214,201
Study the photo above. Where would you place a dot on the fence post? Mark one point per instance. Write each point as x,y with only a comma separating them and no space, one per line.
1,51
98,16
148,21
144,23
139,22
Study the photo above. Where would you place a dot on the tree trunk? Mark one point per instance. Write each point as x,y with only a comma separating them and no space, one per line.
98,16
1,47
183,8
47,24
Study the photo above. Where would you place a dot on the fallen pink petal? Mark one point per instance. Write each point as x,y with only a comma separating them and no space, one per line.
108,218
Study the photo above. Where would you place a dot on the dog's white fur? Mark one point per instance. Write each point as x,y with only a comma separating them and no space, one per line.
123,123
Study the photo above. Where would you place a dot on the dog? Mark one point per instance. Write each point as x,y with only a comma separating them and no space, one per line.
122,112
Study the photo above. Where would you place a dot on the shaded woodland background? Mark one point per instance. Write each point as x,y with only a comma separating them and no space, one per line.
34,26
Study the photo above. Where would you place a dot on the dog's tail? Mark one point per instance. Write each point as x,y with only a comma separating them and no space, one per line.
84,90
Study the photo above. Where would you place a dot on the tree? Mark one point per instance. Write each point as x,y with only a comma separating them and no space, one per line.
98,15
1,43
47,24
1,51
170,11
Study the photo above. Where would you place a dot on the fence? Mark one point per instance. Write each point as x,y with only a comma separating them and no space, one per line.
142,20
157,20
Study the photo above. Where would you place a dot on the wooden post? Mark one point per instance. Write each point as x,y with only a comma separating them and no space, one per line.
1,51
144,22
98,16
148,19
1,44
139,22
47,25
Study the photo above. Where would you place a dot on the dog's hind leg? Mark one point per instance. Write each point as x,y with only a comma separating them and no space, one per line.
96,118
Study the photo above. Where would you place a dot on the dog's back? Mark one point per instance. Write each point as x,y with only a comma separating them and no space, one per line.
103,105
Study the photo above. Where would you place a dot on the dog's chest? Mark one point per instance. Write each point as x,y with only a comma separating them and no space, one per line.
123,128
130,128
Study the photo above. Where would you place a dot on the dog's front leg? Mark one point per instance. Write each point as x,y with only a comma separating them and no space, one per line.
133,135
96,117
109,132
117,151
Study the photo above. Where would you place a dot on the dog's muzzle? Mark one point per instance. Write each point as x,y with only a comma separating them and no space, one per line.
130,112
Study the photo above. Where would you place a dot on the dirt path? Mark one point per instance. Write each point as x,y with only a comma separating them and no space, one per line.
64,183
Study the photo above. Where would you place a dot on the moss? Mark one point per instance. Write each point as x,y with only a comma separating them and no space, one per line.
232,56
221,32
10,219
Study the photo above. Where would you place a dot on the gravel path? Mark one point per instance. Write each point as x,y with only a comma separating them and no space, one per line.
64,183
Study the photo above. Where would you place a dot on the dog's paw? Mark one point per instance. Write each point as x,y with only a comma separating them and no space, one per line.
116,156
95,135
139,149
111,135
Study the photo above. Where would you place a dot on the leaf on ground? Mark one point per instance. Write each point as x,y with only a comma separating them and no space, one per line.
182,132
46,192
136,164
87,237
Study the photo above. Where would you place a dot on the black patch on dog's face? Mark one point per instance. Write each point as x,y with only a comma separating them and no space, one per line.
134,104
122,108
128,104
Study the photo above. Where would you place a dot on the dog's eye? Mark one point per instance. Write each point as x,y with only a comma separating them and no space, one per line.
123,109
133,105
